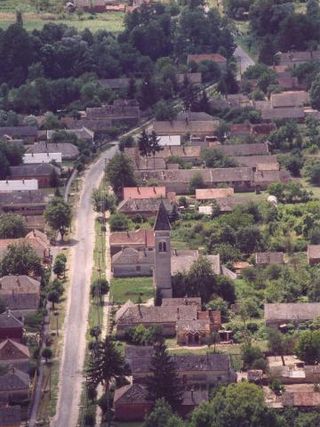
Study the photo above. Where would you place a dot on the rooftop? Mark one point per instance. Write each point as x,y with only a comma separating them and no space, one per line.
291,311
143,192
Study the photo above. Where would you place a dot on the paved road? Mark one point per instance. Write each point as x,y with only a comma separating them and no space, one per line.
243,59
77,313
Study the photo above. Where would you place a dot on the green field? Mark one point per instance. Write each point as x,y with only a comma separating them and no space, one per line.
112,21
131,288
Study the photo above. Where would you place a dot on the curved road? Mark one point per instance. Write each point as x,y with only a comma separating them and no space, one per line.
74,347
243,59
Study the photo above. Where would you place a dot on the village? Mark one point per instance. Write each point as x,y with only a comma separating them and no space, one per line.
159,220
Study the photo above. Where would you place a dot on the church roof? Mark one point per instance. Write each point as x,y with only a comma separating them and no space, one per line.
162,221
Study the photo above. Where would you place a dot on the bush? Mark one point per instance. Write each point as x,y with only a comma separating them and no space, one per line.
119,222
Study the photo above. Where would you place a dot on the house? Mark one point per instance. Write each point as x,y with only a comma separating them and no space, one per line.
296,113
122,110
239,130
81,133
18,185
266,176
36,158
238,100
131,402
10,327
144,193
130,262
182,260
169,140
195,116
182,318
194,78
35,239
218,59
92,6
293,59
178,180
289,99
194,370
98,127
13,353
225,204
186,153
313,254
14,386
43,173
268,258
27,133
10,416
138,239
185,127
213,193
68,151
146,208
235,150
280,314
25,203
258,162
263,128
20,293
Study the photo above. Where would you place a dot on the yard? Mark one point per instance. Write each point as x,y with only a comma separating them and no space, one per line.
131,288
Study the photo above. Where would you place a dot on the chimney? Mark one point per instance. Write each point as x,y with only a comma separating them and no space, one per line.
192,394
138,189
139,310
178,313
154,190
18,282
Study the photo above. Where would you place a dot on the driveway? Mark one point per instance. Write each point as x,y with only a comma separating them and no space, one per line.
243,59
70,376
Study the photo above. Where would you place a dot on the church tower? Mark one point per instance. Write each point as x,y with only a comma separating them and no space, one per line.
162,254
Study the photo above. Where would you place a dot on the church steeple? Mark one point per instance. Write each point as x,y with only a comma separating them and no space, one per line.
162,253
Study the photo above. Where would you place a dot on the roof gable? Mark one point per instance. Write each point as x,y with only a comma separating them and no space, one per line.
162,221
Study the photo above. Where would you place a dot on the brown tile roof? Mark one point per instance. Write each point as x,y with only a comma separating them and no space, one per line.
131,394
227,204
244,149
38,245
287,58
13,350
263,128
289,99
253,161
214,57
178,127
144,192
301,398
269,176
130,238
269,258
182,261
196,116
313,251
213,193
282,113
291,311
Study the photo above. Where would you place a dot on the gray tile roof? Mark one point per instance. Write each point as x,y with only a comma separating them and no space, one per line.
32,170
143,205
68,150
10,416
23,198
269,258
19,131
162,222
14,380
8,320
291,311
244,149
133,257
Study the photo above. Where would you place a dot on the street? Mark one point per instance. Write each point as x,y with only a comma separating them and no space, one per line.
71,369
243,59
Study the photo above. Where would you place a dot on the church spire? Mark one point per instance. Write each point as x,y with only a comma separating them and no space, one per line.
162,221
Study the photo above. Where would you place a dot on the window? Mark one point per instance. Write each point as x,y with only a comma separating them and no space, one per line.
162,247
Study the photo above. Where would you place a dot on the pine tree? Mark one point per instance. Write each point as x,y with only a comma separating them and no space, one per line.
164,381
144,144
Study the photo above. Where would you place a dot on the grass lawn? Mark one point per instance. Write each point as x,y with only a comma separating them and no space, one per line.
131,288
112,21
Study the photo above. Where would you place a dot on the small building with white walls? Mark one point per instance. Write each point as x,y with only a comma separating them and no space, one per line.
169,140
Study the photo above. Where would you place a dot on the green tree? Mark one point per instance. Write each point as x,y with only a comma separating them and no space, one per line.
164,381
240,405
54,298
214,158
120,173
106,364
144,144
279,344
102,200
21,259
162,416
119,222
99,288
58,215
59,267
163,111
12,226
308,347
196,182
315,93
47,353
